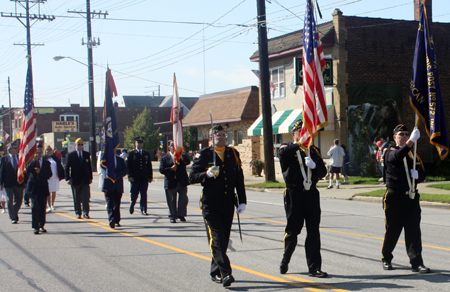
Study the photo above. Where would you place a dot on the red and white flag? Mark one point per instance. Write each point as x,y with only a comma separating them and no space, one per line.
315,115
175,118
27,147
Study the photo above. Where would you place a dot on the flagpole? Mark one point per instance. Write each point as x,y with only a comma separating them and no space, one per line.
412,193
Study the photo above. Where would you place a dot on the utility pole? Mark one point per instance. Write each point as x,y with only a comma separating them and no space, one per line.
90,43
10,121
29,17
265,92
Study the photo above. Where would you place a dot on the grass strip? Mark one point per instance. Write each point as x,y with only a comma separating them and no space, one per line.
423,197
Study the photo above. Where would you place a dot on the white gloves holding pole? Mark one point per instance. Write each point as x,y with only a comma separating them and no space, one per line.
240,209
310,163
415,134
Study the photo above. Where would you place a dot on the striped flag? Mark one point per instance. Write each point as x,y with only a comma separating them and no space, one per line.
110,133
175,118
425,91
27,148
315,115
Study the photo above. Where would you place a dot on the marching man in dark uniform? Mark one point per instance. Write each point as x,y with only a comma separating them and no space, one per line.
38,173
400,211
175,182
140,174
218,199
301,206
78,170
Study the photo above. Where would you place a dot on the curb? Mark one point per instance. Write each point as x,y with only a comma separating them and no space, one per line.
380,199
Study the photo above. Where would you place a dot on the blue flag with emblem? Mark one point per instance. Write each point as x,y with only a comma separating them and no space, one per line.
110,134
425,92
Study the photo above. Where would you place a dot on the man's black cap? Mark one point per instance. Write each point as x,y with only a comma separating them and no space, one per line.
139,139
40,145
217,128
399,128
297,126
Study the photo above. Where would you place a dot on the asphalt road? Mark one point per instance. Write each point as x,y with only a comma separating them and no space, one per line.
150,254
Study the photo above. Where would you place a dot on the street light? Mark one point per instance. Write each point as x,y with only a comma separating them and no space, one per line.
92,143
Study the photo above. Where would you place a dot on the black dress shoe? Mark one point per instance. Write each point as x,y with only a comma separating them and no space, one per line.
131,208
42,229
216,279
36,231
173,221
112,224
182,219
118,224
13,222
144,213
387,265
86,216
78,216
421,269
284,268
318,274
228,280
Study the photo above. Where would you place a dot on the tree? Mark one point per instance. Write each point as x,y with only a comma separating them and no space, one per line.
190,135
143,126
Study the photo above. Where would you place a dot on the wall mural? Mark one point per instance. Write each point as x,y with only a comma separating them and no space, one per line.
374,109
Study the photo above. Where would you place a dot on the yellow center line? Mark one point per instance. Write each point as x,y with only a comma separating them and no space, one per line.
267,276
325,286
323,229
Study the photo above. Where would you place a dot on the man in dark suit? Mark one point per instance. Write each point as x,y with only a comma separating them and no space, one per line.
38,173
78,171
175,181
113,191
140,174
8,180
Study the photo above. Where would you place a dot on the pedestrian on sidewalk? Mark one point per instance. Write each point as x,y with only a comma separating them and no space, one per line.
402,212
337,156
301,206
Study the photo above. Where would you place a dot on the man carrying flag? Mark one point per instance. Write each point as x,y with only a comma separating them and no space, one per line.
113,168
303,167
173,165
401,202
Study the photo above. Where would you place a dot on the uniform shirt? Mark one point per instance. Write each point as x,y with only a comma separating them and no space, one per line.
395,168
337,154
291,168
219,192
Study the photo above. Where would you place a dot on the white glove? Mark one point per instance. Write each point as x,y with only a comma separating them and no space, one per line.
310,163
210,174
414,173
414,135
240,209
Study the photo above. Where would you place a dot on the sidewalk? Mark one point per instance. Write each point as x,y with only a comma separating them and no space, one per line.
345,192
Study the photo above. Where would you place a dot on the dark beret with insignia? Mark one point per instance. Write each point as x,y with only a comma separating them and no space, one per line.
217,128
399,128
139,139
297,126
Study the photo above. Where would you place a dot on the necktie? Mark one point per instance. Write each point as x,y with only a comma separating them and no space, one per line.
16,163
81,157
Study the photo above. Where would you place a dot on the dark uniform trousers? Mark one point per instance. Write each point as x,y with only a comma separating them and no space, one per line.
402,212
113,199
139,188
15,196
175,210
301,206
81,194
218,224
38,206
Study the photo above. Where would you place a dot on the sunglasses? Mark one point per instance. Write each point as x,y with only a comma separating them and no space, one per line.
403,134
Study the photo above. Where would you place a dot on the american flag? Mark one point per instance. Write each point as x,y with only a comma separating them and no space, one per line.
28,142
175,118
315,115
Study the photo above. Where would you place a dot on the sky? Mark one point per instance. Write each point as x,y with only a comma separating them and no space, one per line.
207,44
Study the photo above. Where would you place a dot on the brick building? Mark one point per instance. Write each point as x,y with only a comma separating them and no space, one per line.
371,61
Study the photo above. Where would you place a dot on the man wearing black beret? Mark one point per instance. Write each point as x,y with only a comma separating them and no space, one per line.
402,211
